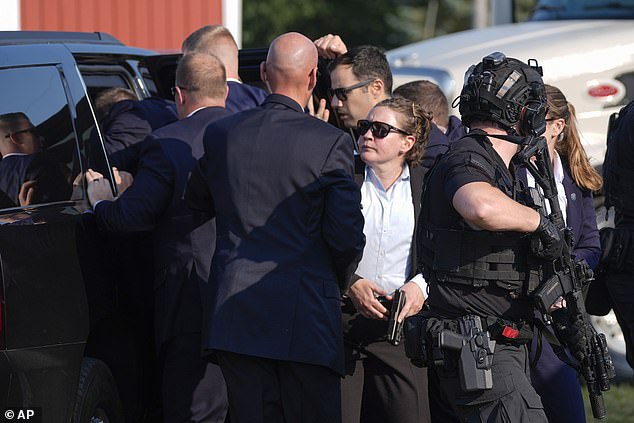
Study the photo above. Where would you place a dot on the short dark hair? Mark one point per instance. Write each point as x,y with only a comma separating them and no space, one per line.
14,118
412,119
203,74
367,62
429,96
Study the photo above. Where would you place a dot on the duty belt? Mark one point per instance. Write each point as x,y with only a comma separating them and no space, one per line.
465,345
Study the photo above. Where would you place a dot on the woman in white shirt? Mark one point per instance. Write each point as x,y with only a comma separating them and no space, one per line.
381,384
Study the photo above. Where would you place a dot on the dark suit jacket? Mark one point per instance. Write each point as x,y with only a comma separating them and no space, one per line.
129,121
416,182
582,218
183,239
439,142
51,183
289,232
243,96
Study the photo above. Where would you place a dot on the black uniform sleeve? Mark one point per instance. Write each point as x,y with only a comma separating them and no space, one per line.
462,167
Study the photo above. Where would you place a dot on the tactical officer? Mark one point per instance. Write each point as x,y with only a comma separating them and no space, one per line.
475,243
618,252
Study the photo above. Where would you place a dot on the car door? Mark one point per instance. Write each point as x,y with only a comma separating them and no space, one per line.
44,230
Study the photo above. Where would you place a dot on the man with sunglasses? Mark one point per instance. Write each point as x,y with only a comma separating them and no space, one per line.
27,174
359,79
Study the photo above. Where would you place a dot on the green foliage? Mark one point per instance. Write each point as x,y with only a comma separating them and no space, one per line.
385,23
523,9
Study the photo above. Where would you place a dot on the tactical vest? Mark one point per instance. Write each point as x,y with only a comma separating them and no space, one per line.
477,258
617,179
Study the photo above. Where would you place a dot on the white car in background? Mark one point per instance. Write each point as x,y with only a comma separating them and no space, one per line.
591,61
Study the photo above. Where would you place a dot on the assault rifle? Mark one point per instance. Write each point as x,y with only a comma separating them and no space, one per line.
566,277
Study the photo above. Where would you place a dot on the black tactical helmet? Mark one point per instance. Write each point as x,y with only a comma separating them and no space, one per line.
506,91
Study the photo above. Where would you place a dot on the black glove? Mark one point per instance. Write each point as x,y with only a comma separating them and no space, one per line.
550,243
571,330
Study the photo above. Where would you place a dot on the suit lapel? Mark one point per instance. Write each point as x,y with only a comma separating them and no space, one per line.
359,170
416,175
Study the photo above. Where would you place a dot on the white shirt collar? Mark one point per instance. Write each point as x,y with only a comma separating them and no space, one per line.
371,176
14,154
558,168
192,113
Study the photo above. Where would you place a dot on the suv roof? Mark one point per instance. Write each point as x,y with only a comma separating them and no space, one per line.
30,37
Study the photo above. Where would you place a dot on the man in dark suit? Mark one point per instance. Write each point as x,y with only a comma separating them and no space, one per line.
124,121
193,390
289,235
27,174
217,40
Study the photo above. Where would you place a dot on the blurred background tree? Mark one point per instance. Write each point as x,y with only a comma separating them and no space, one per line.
385,23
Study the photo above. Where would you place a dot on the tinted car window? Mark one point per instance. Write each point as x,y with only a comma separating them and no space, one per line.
37,140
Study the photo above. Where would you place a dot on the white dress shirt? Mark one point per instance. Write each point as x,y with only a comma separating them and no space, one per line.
389,228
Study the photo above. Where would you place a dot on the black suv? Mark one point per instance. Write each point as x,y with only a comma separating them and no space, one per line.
56,271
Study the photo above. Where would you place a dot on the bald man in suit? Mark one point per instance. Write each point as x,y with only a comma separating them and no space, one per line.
289,235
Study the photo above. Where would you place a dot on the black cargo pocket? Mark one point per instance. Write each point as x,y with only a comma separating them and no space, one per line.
532,400
523,405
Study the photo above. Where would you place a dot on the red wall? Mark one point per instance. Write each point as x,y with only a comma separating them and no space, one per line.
155,24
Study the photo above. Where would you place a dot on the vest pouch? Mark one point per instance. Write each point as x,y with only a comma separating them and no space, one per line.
447,257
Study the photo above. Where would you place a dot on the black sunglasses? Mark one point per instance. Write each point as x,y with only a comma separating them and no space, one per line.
173,90
379,129
342,93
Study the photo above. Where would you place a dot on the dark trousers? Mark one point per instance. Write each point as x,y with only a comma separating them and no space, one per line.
262,390
193,389
556,383
381,384
440,407
621,288
512,398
